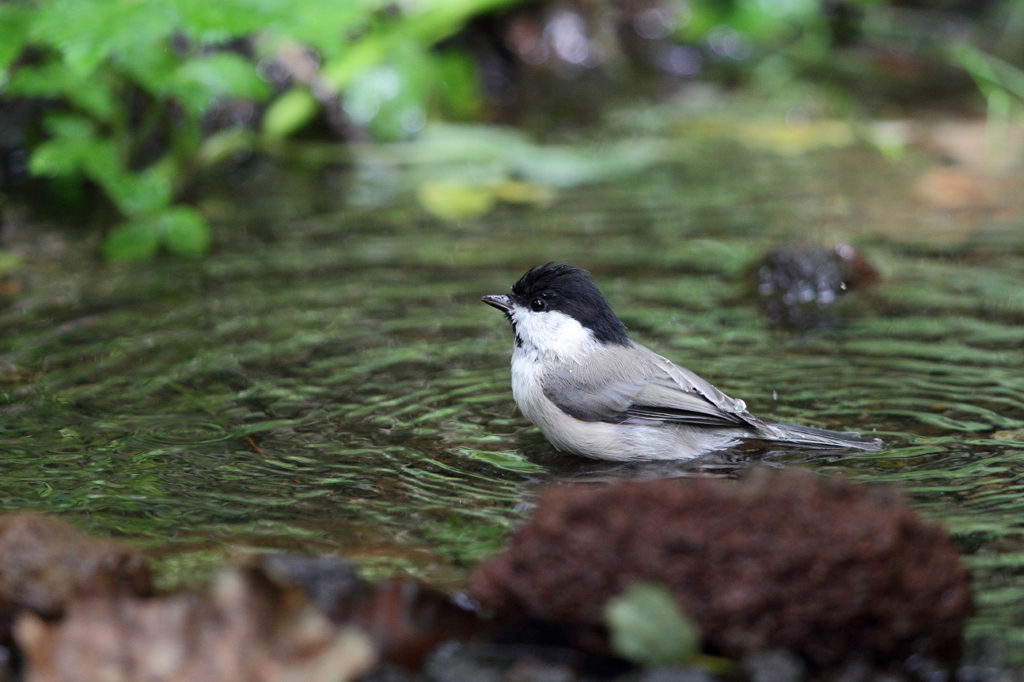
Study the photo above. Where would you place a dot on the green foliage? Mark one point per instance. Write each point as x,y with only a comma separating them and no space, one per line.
289,112
131,241
123,73
762,21
1002,86
181,229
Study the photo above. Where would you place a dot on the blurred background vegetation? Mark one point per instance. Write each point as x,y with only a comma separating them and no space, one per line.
112,111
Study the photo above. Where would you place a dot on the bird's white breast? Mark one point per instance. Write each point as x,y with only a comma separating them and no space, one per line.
551,340
545,340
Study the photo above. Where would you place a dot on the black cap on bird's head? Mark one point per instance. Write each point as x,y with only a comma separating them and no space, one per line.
568,290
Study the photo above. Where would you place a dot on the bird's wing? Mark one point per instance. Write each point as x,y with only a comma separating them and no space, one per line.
643,388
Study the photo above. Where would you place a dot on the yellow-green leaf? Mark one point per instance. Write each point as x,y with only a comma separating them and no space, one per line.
289,112
451,200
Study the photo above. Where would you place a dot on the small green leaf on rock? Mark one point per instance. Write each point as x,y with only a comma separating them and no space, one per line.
647,627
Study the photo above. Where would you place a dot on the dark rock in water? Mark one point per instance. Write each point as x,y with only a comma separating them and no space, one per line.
800,286
243,628
823,568
45,562
404,619
676,674
331,583
493,662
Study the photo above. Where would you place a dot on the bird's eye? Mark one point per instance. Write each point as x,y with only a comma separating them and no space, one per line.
538,304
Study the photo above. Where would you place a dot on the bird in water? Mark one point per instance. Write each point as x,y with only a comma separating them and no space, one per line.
594,392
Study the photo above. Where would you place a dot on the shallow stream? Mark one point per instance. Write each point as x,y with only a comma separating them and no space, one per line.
328,380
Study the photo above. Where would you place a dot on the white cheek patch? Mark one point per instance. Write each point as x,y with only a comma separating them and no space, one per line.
552,333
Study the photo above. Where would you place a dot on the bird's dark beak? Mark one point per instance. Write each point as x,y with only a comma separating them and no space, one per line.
502,303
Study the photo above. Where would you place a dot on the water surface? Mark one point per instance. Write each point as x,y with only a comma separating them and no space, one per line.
328,380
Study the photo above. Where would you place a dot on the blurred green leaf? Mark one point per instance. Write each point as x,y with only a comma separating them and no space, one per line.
434,20
217,22
988,70
88,31
153,70
14,24
136,194
73,141
53,80
327,26
390,99
357,59
55,158
225,143
764,19
71,126
647,627
460,95
184,230
131,242
198,83
289,112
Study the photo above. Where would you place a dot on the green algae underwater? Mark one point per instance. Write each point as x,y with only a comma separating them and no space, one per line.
328,380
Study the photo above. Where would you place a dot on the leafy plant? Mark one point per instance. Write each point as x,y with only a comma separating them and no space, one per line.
133,88
1002,86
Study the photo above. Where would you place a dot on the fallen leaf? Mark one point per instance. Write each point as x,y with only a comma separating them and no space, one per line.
453,200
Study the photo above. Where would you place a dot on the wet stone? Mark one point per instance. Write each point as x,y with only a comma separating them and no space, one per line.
407,620
454,662
332,584
403,618
457,664
855,669
799,285
775,665
534,670
676,674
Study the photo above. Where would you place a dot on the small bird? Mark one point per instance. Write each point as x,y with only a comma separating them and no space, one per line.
594,392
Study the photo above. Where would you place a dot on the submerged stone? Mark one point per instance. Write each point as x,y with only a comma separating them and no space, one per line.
800,285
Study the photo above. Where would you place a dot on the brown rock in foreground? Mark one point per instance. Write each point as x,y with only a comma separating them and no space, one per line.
45,561
243,629
824,568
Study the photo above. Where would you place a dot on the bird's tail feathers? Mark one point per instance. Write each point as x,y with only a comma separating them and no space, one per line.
818,438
